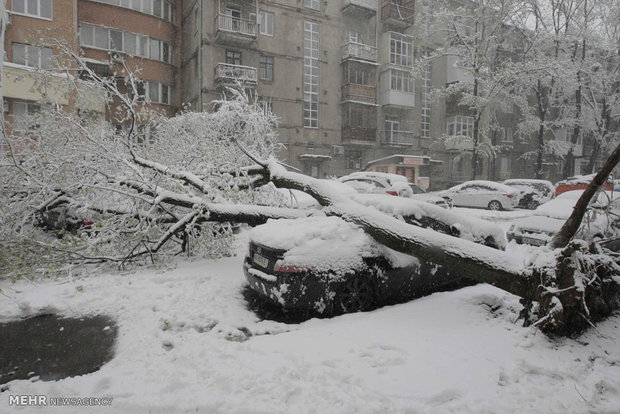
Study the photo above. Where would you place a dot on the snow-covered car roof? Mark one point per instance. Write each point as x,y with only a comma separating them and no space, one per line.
491,184
561,207
392,178
470,228
530,183
322,243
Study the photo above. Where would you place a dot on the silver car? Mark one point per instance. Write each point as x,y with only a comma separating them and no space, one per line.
483,194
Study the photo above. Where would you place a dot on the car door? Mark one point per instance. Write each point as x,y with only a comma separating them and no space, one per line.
484,195
462,195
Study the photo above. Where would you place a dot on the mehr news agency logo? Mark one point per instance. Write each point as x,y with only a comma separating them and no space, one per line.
44,400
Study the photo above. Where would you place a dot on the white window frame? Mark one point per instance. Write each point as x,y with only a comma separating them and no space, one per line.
311,75
312,4
166,9
159,87
401,80
33,55
266,23
455,125
143,46
37,14
401,49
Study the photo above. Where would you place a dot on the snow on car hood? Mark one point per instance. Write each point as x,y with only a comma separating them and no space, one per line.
471,228
324,244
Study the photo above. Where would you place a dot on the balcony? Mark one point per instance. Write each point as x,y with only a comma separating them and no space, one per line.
458,143
353,50
235,30
359,93
397,16
396,98
358,136
397,138
366,8
227,75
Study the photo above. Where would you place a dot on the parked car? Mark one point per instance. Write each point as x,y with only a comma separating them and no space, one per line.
533,192
378,183
420,194
578,182
325,265
482,194
602,219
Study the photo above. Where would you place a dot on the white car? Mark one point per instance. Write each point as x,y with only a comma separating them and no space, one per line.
483,194
600,221
369,182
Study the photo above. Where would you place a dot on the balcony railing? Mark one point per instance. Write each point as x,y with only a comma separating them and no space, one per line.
225,72
359,93
399,15
391,137
236,25
363,136
367,6
359,51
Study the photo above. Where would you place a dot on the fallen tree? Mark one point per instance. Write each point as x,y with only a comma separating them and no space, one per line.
161,188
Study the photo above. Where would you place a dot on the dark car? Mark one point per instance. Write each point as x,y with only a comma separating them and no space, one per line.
327,266
533,192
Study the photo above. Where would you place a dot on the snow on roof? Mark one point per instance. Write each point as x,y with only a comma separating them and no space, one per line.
470,228
319,156
492,184
514,181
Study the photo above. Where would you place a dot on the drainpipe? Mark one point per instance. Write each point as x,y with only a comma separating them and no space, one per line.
200,68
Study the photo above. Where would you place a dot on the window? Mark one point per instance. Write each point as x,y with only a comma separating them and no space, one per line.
33,56
158,93
460,126
312,4
233,57
358,74
266,68
504,164
353,159
401,80
158,8
352,37
311,75
392,128
266,23
425,118
507,134
131,43
266,107
401,49
359,116
20,109
35,8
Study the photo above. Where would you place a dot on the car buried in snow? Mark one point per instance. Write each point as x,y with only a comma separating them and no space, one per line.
327,266
532,192
602,219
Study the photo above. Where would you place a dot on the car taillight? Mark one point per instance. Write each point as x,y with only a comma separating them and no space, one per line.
509,195
394,193
288,269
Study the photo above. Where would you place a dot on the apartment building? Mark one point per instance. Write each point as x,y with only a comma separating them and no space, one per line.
338,75
141,34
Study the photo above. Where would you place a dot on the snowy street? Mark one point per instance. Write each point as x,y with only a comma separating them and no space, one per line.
187,343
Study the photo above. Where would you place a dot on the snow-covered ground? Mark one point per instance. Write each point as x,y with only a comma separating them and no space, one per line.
187,343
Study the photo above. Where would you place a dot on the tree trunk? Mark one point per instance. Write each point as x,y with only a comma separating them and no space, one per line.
571,226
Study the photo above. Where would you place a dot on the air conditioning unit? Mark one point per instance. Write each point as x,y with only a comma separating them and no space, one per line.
116,57
338,150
